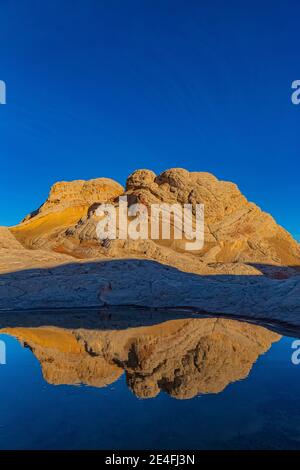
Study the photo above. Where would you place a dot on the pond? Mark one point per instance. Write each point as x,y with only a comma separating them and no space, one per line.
131,379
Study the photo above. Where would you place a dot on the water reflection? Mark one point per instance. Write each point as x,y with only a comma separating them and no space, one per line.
182,357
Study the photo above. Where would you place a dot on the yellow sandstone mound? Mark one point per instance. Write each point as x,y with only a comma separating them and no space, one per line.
239,237
67,203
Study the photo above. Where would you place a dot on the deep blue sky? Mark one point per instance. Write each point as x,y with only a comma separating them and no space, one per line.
101,88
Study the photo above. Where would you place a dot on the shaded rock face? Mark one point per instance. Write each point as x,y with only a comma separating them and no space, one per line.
182,358
149,284
238,235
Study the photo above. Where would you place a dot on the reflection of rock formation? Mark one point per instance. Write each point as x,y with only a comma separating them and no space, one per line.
64,359
182,357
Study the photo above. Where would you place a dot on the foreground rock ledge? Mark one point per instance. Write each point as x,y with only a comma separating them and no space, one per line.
149,284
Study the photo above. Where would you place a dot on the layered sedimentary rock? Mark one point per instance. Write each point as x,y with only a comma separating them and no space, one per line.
238,235
67,203
15,257
183,358
248,266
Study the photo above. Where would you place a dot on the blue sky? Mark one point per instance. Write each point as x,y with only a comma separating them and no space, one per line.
101,88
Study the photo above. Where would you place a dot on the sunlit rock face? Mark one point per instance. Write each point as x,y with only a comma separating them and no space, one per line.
67,203
183,357
238,235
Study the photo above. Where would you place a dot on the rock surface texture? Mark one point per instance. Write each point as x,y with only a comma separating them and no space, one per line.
143,283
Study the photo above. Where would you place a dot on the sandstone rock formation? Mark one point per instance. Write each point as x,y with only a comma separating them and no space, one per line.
66,204
238,235
183,358
15,257
54,258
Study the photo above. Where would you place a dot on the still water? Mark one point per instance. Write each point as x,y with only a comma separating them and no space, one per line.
142,380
